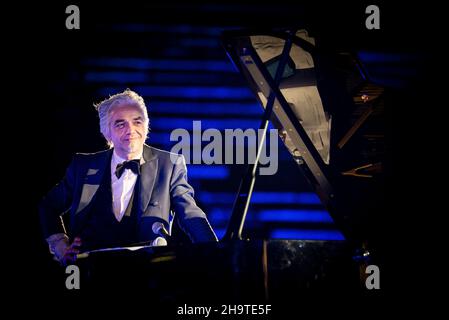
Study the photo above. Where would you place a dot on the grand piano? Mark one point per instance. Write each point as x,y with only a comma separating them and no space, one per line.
330,117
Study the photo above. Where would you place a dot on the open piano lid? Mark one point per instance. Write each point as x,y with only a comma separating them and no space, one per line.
328,115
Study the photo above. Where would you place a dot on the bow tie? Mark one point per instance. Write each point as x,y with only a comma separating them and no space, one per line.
133,165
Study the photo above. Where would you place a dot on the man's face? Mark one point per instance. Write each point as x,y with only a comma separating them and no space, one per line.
127,130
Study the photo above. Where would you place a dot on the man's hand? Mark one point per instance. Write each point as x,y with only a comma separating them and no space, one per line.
63,251
69,253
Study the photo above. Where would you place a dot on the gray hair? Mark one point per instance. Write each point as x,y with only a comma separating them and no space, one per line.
105,107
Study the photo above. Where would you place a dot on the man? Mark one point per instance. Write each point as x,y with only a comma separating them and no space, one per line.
122,196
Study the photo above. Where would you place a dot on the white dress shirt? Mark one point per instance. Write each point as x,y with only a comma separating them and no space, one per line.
122,189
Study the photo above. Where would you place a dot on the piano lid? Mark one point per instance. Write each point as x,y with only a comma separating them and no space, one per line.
328,115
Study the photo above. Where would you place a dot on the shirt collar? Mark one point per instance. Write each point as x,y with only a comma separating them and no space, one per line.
116,159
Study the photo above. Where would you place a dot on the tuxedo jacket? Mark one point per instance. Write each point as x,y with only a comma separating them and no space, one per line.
164,193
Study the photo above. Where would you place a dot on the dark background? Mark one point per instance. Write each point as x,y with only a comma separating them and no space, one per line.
49,73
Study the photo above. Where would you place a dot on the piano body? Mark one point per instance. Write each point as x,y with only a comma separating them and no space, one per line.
329,117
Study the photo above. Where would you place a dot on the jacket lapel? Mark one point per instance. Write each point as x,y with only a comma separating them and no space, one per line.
95,170
148,176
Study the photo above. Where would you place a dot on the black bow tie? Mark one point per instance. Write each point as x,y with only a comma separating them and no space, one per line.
134,165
